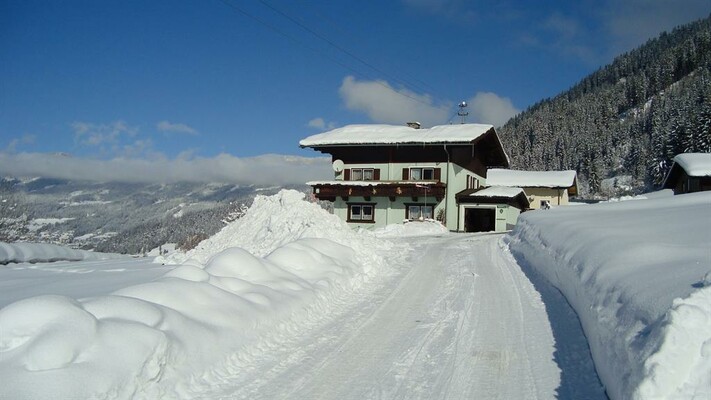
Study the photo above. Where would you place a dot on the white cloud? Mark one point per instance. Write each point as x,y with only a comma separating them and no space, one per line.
458,10
114,139
320,123
169,127
26,139
565,35
384,104
90,134
631,23
272,169
614,28
490,108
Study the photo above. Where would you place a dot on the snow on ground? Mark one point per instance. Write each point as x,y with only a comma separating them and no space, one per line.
289,302
426,227
638,274
161,338
43,252
446,326
74,279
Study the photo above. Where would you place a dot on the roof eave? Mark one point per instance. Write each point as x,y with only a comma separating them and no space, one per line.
315,146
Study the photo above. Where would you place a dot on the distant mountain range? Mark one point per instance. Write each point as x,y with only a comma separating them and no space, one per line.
621,126
119,217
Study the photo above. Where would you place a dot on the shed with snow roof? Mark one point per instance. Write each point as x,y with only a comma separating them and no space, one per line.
493,208
691,172
543,188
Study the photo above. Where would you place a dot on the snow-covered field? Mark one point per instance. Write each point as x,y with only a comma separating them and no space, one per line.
638,274
288,302
42,252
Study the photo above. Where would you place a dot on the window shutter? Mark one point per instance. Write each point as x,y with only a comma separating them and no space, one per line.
376,174
347,174
405,174
438,174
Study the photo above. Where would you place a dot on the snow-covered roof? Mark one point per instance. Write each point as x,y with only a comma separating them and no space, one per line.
549,179
498,191
695,164
396,134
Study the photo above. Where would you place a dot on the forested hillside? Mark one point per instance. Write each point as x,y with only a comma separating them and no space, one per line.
621,126
118,217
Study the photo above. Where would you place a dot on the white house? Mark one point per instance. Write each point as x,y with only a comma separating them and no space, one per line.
384,174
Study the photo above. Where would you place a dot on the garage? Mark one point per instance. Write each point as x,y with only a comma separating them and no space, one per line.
479,219
490,209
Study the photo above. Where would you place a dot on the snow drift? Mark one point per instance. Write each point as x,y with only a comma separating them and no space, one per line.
163,338
43,252
638,274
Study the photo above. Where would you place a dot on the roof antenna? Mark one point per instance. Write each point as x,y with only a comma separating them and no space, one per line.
462,111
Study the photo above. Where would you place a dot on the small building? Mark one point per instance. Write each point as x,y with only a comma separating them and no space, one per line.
543,188
493,208
690,172
385,174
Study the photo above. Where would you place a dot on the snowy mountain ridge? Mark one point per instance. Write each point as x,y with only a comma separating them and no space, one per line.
128,218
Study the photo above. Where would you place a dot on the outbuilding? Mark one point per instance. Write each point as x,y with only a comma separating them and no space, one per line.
691,172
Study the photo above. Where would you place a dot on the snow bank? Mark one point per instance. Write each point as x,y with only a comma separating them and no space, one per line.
273,221
637,273
43,252
163,338
427,227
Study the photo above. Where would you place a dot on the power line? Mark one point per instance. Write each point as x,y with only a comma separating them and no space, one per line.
300,43
337,46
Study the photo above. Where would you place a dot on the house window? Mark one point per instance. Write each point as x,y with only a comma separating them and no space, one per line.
472,182
419,211
361,213
362,174
421,174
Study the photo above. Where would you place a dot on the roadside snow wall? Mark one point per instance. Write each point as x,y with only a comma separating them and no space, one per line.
638,274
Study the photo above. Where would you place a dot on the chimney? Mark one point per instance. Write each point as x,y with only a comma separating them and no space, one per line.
414,125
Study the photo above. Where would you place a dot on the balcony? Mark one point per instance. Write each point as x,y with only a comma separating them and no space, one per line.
329,190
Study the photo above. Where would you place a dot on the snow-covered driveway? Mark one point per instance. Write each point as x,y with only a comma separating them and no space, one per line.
460,321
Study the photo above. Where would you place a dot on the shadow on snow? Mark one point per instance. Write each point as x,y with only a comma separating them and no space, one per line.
578,378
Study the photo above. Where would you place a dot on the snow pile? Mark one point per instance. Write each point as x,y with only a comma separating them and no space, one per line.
273,221
637,273
43,252
164,338
427,227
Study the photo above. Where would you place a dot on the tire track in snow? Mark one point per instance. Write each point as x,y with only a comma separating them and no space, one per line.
455,325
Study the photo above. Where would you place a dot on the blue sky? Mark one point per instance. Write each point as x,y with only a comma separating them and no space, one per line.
175,82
